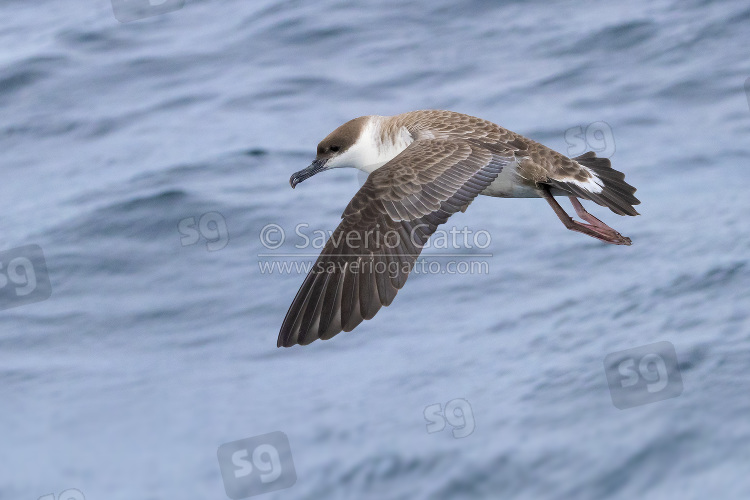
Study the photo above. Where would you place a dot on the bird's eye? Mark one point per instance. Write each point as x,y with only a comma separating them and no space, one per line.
335,149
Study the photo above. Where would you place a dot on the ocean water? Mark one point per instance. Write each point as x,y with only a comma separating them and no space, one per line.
147,162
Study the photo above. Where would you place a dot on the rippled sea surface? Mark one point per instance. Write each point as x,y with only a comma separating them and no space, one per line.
146,158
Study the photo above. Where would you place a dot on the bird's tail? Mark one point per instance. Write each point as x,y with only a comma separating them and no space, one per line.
616,194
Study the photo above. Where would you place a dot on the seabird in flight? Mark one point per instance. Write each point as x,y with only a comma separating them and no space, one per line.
423,167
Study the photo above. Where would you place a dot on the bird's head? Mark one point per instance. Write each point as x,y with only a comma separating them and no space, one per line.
347,146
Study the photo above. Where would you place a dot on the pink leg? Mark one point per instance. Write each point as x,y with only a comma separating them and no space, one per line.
595,228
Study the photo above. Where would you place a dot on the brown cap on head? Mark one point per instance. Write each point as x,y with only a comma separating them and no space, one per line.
342,138
336,143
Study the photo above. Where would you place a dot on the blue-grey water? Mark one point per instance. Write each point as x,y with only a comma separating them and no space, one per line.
153,349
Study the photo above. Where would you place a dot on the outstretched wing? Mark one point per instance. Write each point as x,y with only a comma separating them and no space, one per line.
369,256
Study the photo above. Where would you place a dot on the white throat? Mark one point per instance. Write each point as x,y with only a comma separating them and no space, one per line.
378,144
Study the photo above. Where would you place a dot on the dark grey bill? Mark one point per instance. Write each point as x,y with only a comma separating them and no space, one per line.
314,168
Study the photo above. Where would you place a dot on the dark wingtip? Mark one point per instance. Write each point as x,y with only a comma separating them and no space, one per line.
284,340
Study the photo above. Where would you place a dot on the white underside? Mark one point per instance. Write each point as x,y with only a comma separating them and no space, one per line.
508,185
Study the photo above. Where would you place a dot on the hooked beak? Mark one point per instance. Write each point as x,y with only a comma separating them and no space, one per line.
314,168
